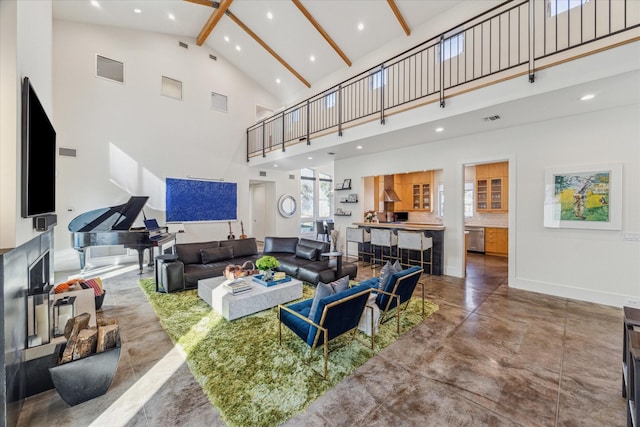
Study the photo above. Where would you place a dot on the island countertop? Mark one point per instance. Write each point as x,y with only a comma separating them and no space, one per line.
402,225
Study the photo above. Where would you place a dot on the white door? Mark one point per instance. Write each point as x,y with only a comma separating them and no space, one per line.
258,211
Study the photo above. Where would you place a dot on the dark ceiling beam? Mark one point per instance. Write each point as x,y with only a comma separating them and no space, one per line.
213,21
396,11
321,30
253,35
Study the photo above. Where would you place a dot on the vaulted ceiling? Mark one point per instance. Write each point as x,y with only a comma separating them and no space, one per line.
274,41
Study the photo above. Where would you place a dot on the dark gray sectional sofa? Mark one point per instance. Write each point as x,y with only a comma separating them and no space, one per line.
299,258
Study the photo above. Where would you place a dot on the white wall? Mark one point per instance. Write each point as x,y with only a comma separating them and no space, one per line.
25,50
129,138
596,266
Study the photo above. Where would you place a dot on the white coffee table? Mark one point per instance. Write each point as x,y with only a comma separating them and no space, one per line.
257,299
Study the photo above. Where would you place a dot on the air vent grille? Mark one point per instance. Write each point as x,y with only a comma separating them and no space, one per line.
183,44
215,58
492,118
263,173
292,177
67,152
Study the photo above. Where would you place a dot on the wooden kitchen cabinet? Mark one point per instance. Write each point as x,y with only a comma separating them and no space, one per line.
415,190
496,241
492,187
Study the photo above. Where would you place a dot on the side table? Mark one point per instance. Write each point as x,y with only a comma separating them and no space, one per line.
631,319
338,256
169,273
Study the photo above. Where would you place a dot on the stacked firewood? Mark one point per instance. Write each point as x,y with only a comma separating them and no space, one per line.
83,341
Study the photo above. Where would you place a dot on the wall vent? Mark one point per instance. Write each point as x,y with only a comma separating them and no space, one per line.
183,44
263,173
67,152
109,69
292,177
215,58
492,118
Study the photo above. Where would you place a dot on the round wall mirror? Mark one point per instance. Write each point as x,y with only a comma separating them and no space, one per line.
287,205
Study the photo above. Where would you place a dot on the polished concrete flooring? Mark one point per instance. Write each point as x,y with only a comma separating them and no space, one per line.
490,356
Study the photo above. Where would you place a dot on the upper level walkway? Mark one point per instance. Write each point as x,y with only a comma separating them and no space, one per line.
517,39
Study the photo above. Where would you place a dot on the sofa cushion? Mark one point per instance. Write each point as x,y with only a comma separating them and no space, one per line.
280,244
306,252
210,255
322,247
326,289
241,247
189,253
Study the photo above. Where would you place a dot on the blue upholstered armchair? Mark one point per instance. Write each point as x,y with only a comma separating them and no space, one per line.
396,293
335,315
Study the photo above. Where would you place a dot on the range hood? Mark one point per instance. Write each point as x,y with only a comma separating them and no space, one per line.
391,196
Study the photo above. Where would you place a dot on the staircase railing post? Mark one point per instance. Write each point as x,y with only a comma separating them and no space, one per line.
339,110
382,89
442,101
283,149
308,122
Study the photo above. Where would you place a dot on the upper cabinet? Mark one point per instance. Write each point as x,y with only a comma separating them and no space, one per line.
492,187
415,191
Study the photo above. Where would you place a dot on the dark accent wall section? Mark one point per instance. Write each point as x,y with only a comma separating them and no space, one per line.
14,274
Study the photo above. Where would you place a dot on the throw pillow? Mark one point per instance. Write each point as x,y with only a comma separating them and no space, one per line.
216,254
325,290
386,272
306,252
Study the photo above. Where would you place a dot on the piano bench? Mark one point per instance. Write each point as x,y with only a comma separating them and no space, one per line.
169,274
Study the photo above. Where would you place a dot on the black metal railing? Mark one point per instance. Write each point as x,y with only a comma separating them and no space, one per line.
507,41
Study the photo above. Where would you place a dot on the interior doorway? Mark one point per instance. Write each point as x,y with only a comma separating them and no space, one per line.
258,198
486,210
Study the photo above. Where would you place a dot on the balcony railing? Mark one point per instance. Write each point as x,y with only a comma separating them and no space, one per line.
513,39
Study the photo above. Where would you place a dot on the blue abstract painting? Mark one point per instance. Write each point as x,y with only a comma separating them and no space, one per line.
190,200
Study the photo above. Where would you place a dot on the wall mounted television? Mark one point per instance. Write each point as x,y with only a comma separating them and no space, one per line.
38,156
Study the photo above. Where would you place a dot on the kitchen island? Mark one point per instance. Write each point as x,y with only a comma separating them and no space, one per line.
435,231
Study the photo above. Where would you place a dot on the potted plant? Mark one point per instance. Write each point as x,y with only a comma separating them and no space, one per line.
267,263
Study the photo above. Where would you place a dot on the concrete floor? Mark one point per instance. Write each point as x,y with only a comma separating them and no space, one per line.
490,356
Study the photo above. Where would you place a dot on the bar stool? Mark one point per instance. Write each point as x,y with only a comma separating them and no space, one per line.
360,236
415,241
384,239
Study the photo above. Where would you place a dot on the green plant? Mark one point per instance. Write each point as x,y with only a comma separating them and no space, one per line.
267,262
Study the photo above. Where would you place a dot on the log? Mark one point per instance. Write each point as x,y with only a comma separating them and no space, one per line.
85,343
104,321
76,324
107,337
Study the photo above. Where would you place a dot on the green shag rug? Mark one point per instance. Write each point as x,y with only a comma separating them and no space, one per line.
245,373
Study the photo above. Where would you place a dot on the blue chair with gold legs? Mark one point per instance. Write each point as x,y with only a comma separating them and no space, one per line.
334,316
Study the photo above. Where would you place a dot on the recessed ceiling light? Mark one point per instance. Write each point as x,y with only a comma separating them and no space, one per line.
439,129
278,81
95,3
360,26
587,97
359,147
269,15
238,48
275,166
309,158
226,38
137,10
312,58
172,17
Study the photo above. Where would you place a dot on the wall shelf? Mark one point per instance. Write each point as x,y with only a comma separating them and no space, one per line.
341,214
348,201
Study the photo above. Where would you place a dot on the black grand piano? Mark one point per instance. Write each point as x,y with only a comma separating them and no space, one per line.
113,226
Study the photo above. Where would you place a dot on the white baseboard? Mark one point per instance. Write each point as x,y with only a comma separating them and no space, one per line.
581,294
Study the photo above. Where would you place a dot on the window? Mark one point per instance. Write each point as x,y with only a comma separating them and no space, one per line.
378,79
468,199
307,181
325,196
171,88
316,198
440,200
330,100
219,102
556,7
452,47
109,69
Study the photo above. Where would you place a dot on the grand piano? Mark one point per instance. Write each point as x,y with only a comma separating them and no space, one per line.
113,226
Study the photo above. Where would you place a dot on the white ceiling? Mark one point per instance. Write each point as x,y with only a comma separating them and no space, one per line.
289,33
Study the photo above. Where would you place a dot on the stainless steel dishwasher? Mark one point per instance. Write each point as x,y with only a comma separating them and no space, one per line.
476,239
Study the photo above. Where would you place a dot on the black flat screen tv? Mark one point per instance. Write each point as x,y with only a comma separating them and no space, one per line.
38,156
